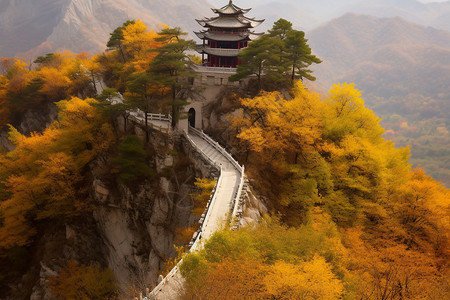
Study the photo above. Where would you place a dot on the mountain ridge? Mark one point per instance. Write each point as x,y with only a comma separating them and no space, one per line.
403,69
43,26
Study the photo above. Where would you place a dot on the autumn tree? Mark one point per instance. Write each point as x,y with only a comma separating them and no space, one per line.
286,133
258,264
43,174
200,198
83,282
128,53
115,41
310,280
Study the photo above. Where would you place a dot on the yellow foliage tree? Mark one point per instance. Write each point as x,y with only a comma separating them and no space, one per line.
277,127
42,175
138,40
310,280
56,83
201,198
345,114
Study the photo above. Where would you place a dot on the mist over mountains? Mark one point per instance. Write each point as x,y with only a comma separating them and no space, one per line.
42,26
307,14
384,56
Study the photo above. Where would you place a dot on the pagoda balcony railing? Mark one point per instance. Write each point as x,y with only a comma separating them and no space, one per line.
222,32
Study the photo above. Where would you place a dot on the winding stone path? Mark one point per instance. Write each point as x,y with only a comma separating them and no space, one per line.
225,194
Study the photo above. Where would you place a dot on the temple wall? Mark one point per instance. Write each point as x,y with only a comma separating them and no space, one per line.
214,78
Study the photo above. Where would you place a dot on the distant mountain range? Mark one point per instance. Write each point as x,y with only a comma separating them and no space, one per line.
307,14
404,71
384,56
42,26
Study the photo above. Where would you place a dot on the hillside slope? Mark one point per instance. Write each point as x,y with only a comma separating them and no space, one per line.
313,13
403,69
387,56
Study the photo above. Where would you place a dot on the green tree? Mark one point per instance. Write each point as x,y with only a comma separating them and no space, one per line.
259,59
139,94
116,38
113,110
283,50
132,160
298,55
280,29
170,67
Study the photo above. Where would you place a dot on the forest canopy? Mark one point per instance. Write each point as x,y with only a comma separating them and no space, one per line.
349,216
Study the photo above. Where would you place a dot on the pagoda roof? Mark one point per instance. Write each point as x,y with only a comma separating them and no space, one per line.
230,22
230,9
217,51
217,36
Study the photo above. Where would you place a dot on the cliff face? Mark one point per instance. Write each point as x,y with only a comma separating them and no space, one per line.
129,230
33,120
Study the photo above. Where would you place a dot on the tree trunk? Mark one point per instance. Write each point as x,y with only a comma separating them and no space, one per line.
125,120
147,137
122,54
174,109
259,76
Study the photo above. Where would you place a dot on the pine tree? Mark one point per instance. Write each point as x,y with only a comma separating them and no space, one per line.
171,64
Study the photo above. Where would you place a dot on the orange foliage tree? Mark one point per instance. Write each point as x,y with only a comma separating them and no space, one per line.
84,282
43,174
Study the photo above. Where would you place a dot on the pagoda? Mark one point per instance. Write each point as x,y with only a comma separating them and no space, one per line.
225,35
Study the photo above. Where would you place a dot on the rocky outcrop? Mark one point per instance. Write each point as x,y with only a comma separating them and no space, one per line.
33,120
130,230
137,226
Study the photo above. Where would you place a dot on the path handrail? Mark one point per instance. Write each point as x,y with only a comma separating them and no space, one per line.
141,120
159,117
217,146
241,169
238,196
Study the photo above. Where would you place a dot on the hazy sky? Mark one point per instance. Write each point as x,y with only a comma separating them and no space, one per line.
224,2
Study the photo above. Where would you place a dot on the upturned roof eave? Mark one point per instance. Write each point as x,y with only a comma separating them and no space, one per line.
230,9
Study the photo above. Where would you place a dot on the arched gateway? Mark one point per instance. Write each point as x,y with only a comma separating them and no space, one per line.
191,117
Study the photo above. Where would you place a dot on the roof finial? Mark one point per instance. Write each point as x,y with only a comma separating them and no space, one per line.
231,2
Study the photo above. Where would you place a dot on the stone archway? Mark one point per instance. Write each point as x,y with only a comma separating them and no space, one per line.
191,117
